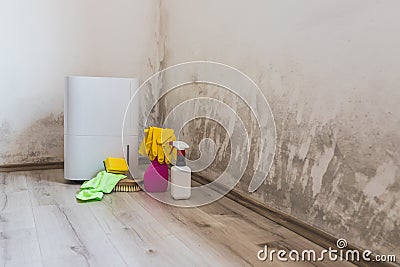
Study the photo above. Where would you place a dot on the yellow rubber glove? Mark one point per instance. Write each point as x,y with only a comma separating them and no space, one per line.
167,136
156,144
145,145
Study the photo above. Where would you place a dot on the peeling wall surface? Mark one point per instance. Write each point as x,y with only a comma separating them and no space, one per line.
42,42
329,70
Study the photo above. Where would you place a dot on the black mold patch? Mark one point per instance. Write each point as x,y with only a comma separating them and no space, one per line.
40,142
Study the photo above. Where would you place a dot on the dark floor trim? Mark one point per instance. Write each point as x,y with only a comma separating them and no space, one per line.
31,166
309,232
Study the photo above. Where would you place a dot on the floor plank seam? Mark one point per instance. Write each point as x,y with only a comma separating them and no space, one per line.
36,233
109,239
84,252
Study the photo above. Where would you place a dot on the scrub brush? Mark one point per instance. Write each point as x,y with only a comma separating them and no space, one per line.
127,185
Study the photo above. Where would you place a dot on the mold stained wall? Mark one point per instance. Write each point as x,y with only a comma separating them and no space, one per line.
42,42
329,70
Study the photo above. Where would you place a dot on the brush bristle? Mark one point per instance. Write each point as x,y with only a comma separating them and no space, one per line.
127,188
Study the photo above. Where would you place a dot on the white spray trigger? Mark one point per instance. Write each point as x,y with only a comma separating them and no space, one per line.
180,145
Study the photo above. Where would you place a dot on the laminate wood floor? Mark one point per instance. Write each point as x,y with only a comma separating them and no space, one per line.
41,224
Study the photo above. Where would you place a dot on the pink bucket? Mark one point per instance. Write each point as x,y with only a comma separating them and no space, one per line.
156,177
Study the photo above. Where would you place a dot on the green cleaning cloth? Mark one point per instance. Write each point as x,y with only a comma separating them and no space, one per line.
93,189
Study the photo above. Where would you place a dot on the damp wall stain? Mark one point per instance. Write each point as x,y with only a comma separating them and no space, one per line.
337,160
40,142
316,177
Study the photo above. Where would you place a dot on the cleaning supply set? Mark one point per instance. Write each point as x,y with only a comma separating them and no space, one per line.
113,178
160,146
155,146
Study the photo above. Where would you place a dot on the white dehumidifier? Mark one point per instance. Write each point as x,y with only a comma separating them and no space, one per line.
94,109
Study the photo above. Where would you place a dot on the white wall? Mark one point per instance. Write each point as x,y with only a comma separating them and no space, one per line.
41,42
330,71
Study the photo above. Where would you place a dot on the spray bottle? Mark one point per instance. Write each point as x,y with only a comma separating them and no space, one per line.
181,175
